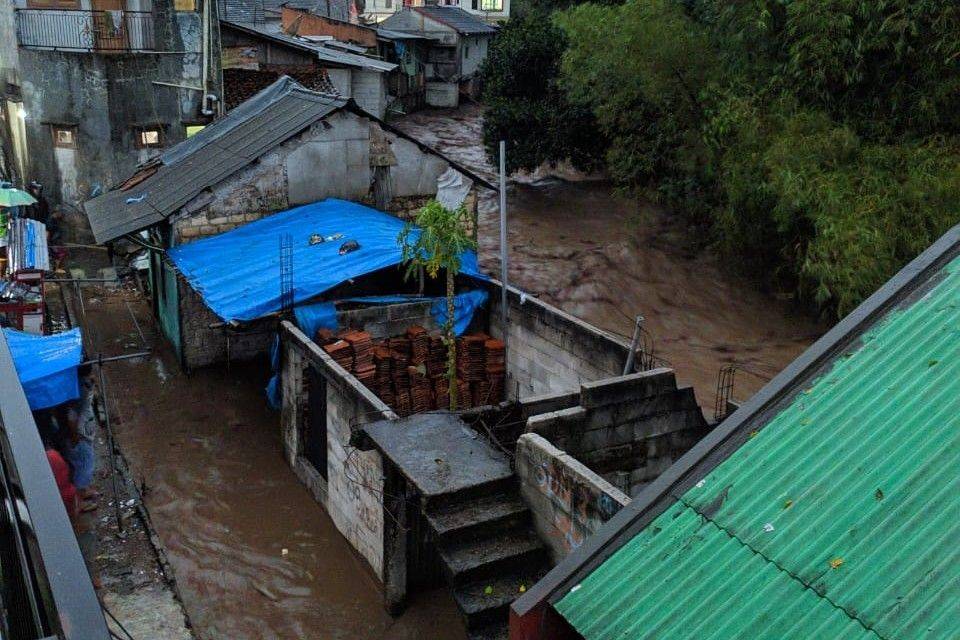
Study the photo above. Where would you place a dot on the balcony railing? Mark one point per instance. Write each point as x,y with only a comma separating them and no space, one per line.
83,30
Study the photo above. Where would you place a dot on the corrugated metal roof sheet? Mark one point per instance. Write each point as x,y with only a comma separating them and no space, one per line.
839,517
457,19
218,151
273,31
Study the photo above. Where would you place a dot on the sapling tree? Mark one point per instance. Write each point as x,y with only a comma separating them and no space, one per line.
435,241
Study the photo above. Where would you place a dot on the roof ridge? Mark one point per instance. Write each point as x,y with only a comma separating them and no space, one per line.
780,567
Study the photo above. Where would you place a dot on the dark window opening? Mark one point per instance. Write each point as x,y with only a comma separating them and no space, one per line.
64,136
315,424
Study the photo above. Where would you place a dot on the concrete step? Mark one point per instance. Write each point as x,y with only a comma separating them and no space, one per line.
486,603
506,484
479,517
514,552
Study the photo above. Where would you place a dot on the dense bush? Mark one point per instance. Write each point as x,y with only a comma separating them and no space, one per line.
526,106
815,140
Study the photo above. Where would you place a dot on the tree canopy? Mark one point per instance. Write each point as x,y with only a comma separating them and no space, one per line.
817,142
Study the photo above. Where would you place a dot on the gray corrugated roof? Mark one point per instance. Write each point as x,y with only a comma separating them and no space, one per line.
272,32
336,9
256,10
229,144
391,34
457,19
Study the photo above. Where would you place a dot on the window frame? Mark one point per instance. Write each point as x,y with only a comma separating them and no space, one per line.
72,129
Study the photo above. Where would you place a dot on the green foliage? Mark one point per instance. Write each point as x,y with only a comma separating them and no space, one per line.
524,103
434,242
816,140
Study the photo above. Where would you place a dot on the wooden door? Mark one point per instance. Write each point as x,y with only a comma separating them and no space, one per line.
109,25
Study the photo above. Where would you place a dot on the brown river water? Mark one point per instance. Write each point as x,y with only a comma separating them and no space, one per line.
207,449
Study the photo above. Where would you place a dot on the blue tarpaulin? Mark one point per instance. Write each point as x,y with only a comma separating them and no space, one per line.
47,365
323,315
238,272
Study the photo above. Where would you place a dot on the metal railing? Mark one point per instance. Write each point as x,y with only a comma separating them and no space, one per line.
83,30
45,588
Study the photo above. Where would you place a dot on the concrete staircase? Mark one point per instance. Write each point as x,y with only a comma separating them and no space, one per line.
488,551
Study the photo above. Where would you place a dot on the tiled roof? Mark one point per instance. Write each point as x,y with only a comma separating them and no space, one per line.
835,515
457,19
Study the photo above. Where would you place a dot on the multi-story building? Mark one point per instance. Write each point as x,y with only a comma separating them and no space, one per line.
490,11
105,83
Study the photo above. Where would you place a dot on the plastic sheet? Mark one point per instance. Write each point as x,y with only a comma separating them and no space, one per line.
464,306
47,365
238,272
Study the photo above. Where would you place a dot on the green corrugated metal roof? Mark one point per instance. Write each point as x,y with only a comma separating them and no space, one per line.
839,519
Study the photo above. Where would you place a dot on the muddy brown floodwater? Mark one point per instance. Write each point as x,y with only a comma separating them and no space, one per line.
606,259
226,505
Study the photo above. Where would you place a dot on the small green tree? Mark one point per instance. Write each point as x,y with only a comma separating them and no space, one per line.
434,242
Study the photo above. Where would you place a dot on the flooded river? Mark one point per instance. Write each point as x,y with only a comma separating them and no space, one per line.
254,555
607,259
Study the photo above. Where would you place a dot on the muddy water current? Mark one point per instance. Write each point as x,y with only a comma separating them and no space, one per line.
253,554
606,259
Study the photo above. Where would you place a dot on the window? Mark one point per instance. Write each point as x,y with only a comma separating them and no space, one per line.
388,4
466,51
149,137
474,5
491,5
184,5
315,423
64,136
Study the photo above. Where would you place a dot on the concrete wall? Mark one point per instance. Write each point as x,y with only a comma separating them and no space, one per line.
549,350
443,94
473,51
106,96
352,491
201,345
322,162
369,89
628,429
569,502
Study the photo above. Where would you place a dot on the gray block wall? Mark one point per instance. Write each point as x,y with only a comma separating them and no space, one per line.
352,492
549,350
569,502
202,345
628,429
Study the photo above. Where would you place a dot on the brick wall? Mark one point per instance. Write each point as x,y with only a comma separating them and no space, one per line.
628,429
549,350
352,491
202,345
569,502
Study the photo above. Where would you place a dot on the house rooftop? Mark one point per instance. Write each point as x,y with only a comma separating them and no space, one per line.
333,53
162,186
456,18
825,507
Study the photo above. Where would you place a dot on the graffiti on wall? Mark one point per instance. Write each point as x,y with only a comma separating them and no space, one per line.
579,507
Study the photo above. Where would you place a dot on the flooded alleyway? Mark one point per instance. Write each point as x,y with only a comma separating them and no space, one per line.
253,554
606,259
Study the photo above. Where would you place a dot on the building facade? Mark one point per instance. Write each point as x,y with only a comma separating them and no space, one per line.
106,83
457,44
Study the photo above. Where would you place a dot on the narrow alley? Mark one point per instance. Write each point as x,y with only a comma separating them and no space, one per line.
254,556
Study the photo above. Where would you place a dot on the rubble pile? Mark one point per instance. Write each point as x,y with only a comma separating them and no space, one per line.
408,372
